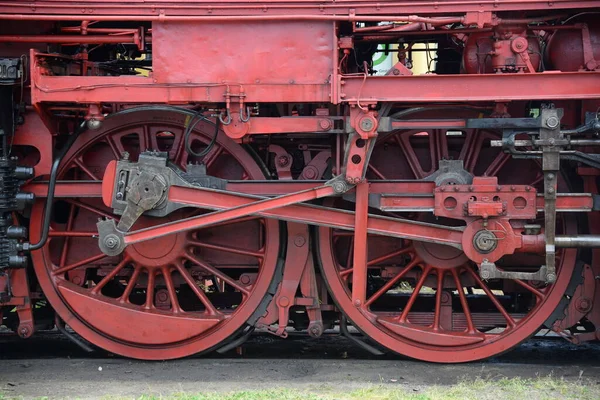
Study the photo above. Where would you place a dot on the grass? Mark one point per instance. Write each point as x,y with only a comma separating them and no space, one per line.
543,388
479,389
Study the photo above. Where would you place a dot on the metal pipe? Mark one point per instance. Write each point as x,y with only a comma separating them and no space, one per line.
78,39
51,186
525,143
224,18
578,241
110,31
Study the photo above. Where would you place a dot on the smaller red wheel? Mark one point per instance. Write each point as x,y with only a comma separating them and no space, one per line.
425,300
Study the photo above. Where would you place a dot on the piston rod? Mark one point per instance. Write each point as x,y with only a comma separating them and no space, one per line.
578,241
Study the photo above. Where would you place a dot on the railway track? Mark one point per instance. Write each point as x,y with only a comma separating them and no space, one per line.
51,365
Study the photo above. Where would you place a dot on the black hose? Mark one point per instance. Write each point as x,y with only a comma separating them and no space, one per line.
51,188
186,137
60,324
357,341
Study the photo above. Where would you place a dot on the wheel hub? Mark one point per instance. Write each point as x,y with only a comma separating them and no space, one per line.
485,241
156,252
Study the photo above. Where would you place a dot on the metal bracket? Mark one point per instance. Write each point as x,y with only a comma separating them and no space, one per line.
153,172
535,145
488,270
550,166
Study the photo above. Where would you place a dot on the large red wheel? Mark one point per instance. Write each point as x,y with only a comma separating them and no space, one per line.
169,297
427,301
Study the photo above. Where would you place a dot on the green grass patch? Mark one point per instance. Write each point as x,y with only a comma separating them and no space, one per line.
479,389
543,388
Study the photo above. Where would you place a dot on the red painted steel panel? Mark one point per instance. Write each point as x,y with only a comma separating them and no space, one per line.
161,9
488,87
292,52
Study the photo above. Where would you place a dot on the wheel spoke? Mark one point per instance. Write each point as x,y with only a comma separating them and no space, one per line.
89,208
210,308
78,264
145,140
150,289
212,156
540,296
438,148
96,289
392,282
180,154
414,295
463,302
538,179
438,299
175,307
346,272
350,253
497,164
86,170
218,274
65,248
387,256
116,146
509,320
227,249
471,150
124,298
376,172
410,156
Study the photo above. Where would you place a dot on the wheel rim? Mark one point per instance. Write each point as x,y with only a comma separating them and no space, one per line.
169,297
413,306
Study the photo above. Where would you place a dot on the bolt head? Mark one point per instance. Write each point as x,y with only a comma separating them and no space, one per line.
485,275
299,241
339,187
284,301
162,296
283,161
24,331
367,124
93,124
111,241
325,124
552,122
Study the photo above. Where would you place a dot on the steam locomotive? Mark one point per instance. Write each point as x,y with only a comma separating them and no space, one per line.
419,176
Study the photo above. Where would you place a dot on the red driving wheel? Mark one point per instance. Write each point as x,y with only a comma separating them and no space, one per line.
165,298
426,300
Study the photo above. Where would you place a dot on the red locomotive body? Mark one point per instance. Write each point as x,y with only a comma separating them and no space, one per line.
177,174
